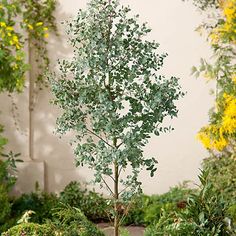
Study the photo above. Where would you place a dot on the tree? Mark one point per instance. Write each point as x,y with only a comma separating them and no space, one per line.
112,96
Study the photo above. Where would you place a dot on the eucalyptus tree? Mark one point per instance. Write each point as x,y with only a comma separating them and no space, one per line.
112,96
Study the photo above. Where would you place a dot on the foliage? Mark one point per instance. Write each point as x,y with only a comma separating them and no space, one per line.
70,221
67,221
219,135
114,99
8,169
93,205
34,18
3,141
30,229
223,176
232,213
7,180
146,210
205,214
206,4
124,232
4,203
41,203
173,200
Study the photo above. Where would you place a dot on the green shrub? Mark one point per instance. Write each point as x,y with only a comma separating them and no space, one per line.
174,200
5,206
30,229
232,213
70,221
92,204
67,221
222,173
146,210
205,215
41,203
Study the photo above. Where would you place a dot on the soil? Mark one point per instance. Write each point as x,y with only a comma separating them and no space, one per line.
134,230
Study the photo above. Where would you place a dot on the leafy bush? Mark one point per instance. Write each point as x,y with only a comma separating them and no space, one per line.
70,221
41,203
147,210
30,229
174,200
67,221
232,213
222,173
92,204
205,214
4,204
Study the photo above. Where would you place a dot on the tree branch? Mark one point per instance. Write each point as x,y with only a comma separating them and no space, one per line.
99,137
108,187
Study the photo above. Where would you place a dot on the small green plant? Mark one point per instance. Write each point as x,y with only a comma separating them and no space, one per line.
93,205
124,232
8,168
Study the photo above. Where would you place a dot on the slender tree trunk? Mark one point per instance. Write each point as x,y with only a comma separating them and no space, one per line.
116,196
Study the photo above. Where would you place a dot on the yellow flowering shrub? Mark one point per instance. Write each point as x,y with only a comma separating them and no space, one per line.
226,30
220,134
35,19
12,58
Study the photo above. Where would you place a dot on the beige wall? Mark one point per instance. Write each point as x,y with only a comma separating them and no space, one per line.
179,154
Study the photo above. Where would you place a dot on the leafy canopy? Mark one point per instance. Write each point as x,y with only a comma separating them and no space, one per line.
110,92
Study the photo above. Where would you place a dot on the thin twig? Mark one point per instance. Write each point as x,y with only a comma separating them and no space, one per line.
120,170
108,187
99,137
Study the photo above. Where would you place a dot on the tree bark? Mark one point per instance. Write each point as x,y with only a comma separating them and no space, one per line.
116,196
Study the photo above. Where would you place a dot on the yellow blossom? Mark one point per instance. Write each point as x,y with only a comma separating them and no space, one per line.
3,24
205,139
9,28
46,35
234,78
15,39
18,46
30,27
39,23
45,28
15,67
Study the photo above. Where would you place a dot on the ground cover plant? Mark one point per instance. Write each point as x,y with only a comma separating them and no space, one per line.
112,97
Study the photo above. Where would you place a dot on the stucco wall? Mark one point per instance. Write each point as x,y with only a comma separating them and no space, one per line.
179,153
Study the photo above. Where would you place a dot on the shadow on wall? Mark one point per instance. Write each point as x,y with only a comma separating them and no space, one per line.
52,165
56,152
